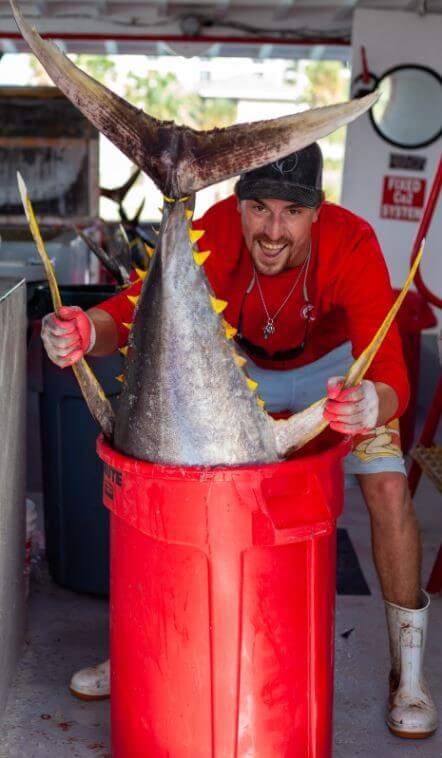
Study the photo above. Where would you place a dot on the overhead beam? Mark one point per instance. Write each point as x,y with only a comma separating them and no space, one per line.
417,6
221,9
284,8
43,9
343,15
102,6
163,8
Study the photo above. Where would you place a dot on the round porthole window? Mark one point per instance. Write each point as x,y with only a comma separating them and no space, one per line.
408,113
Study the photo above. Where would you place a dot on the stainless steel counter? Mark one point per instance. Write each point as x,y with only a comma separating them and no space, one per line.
12,475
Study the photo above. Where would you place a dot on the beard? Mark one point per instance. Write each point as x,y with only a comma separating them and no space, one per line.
270,257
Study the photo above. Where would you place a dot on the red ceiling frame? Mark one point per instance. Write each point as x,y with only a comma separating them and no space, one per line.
212,39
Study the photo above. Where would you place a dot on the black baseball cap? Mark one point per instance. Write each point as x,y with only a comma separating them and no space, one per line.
296,178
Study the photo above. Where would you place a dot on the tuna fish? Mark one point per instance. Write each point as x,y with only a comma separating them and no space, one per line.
186,399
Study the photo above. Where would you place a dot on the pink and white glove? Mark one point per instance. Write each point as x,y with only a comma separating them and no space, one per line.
354,410
67,335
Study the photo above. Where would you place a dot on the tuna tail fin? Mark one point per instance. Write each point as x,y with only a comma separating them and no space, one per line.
133,222
222,153
181,160
117,194
119,272
295,432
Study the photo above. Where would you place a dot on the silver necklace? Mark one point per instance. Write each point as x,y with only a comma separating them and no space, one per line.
269,327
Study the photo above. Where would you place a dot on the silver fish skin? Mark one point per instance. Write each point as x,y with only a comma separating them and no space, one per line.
185,401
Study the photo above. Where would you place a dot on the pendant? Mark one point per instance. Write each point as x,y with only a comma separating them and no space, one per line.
307,312
269,329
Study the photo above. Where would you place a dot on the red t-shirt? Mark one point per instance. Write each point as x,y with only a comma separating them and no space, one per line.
347,283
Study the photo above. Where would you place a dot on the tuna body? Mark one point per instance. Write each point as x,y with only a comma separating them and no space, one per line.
185,400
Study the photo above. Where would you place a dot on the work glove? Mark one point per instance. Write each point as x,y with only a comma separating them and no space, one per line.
354,410
67,335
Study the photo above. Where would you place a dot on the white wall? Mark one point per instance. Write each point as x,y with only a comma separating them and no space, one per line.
390,39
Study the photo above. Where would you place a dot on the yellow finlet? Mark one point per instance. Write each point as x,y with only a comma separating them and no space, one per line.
149,250
252,385
123,350
196,234
141,274
230,330
128,326
201,258
160,210
184,199
188,214
218,305
120,378
169,199
261,402
239,360
133,299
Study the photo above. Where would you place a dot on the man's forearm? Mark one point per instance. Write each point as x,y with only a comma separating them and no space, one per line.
388,402
106,341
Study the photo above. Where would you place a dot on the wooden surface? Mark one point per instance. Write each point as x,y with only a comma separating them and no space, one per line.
430,461
55,149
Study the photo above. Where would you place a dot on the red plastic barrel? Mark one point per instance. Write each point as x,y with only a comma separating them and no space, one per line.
222,606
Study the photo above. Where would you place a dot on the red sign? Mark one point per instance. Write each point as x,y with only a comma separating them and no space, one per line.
403,198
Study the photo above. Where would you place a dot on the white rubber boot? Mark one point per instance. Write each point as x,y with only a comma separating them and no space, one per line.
92,683
411,711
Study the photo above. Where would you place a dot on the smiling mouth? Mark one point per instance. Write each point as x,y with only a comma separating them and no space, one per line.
270,250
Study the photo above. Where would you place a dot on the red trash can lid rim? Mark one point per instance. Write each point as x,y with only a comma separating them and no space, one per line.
134,466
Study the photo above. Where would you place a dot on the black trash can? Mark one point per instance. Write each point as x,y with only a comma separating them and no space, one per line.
76,523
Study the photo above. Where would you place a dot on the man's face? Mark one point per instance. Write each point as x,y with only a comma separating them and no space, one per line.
277,233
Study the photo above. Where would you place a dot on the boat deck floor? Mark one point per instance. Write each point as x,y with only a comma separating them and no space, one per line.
67,631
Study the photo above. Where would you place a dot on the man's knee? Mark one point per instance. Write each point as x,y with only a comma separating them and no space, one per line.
386,495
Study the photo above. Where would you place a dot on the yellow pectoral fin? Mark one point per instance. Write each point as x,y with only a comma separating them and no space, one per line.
361,365
35,230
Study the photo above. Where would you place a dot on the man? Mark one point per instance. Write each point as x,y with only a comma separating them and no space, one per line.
307,287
